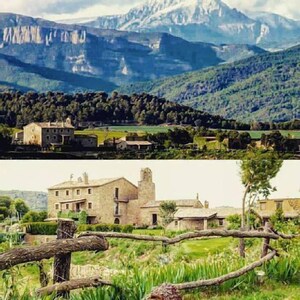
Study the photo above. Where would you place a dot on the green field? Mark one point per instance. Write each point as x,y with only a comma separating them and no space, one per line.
147,129
292,133
102,134
121,131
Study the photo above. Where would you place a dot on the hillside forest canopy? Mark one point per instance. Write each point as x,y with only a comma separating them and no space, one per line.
18,109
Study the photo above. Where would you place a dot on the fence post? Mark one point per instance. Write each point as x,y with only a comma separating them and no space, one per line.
266,241
62,263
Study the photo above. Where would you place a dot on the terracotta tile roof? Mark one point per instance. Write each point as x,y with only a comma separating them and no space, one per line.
53,125
179,203
207,213
76,184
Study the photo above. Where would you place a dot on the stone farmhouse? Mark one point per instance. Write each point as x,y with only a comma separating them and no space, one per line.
290,207
55,134
112,200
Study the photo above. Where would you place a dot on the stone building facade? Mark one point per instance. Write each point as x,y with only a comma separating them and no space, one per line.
267,207
112,200
55,134
47,133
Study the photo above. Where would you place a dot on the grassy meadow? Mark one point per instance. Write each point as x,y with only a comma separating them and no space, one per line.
137,266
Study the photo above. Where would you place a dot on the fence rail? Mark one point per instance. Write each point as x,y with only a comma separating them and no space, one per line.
62,248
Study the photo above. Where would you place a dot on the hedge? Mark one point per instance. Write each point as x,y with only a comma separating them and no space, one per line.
50,228
42,228
105,228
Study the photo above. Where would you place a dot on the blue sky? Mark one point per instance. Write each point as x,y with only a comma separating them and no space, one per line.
70,9
216,181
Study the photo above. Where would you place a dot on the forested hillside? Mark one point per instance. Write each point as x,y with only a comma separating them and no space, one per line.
17,109
35,200
262,88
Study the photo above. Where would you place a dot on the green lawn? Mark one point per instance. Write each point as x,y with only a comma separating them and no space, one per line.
202,248
268,291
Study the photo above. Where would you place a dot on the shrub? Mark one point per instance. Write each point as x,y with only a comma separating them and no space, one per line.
127,228
105,228
34,216
44,228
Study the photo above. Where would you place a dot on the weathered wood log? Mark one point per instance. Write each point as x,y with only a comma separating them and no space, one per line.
62,262
266,242
165,292
185,236
223,278
59,247
44,280
285,236
73,284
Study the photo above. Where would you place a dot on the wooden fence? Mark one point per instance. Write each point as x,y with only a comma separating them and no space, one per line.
66,244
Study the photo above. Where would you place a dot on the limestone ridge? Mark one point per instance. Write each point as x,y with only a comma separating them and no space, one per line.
39,35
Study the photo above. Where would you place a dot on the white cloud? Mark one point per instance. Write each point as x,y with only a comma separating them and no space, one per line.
63,9
288,8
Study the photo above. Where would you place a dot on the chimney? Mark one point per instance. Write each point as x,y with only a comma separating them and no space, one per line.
85,178
206,204
197,196
79,179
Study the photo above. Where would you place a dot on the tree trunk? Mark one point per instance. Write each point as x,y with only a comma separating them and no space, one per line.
44,280
242,241
266,242
165,292
62,262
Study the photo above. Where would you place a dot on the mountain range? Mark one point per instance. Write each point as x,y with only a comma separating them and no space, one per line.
41,55
261,88
209,21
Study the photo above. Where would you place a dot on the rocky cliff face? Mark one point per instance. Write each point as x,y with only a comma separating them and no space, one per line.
39,35
117,57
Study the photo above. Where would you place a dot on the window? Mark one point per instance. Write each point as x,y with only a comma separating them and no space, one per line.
117,221
77,192
117,193
47,130
54,137
61,130
54,130
67,193
221,222
278,205
262,206
56,193
48,137
67,206
117,209
154,219
57,206
176,223
90,205
89,191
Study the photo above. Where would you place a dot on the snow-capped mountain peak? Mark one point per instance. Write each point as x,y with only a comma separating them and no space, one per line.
202,20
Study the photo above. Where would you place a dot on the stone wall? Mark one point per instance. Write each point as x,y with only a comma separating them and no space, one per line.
38,239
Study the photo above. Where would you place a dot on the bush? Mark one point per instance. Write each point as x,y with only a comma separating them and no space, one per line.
105,228
127,228
34,216
43,228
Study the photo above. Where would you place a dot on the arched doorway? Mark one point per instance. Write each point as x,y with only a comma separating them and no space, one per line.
117,221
